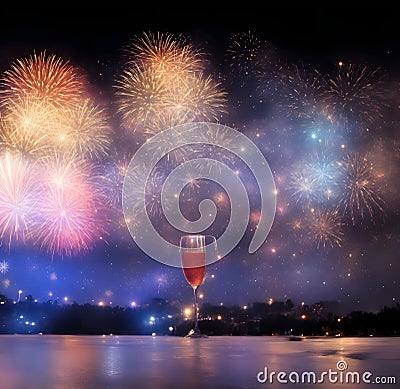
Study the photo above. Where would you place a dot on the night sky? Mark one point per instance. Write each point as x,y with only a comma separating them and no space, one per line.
315,87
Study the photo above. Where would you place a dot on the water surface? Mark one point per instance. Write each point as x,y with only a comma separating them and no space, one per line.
123,362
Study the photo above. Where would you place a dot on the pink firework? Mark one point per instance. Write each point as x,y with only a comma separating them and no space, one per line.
69,219
18,194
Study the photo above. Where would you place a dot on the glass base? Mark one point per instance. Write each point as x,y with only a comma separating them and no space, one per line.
195,334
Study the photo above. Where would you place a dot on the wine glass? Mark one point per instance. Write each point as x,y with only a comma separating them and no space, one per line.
193,250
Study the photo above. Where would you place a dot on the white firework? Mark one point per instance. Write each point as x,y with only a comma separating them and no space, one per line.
4,267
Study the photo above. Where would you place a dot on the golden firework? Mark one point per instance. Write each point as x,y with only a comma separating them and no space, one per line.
166,52
25,126
45,78
83,130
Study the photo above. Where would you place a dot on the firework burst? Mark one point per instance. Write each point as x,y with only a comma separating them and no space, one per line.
170,53
153,103
162,281
151,195
26,125
319,227
154,206
324,228
69,220
141,94
193,98
197,97
270,70
42,77
301,187
209,152
361,194
113,177
164,85
83,131
356,96
302,91
18,197
4,266
242,52
167,119
314,181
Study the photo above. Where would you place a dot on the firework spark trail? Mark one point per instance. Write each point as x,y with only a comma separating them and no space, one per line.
18,197
356,96
151,192
193,98
48,113
161,280
113,178
302,92
165,52
196,97
203,150
250,59
83,131
270,70
4,266
164,85
141,94
168,118
314,181
152,103
45,110
68,222
322,228
361,195
242,52
69,218
45,78
301,187
177,155
25,126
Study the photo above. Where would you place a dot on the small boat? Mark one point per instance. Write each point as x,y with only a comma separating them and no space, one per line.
295,338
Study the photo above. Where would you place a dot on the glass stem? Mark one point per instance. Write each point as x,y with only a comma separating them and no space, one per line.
196,321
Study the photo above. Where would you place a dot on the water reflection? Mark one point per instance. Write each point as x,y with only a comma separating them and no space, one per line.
60,361
113,361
